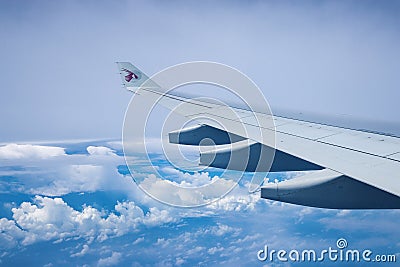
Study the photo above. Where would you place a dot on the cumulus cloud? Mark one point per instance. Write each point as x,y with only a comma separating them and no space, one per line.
52,172
222,229
53,219
186,179
214,250
18,151
110,261
179,261
84,251
97,170
137,241
238,200
10,234
100,150
184,193
225,231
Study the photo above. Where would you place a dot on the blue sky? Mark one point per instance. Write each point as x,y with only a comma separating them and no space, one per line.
69,203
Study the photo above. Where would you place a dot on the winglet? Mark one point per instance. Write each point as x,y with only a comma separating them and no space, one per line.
133,78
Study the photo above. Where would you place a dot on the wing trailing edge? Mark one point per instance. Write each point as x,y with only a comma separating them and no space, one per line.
352,169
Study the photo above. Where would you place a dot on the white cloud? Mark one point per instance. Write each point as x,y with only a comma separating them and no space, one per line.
343,212
52,219
137,241
304,212
100,150
180,194
162,242
98,171
187,179
17,151
223,229
10,233
84,251
237,200
51,172
110,261
80,178
179,261
195,250
214,250
362,221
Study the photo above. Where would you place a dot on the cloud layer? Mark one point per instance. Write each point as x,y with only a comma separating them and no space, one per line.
134,229
51,219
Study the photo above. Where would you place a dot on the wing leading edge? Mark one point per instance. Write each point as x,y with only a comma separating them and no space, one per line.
350,169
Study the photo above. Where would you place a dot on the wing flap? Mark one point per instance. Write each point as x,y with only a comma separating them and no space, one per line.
370,159
365,166
251,156
330,189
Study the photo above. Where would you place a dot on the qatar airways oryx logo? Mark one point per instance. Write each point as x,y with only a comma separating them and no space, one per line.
340,253
130,75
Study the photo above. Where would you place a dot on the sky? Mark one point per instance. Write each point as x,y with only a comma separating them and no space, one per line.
58,73
66,195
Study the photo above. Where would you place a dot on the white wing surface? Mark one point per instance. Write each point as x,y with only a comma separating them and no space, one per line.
348,169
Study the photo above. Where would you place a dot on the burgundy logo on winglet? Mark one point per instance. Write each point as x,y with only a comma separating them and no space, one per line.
130,75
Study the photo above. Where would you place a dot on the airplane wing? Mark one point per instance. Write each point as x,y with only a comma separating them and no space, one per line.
345,168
